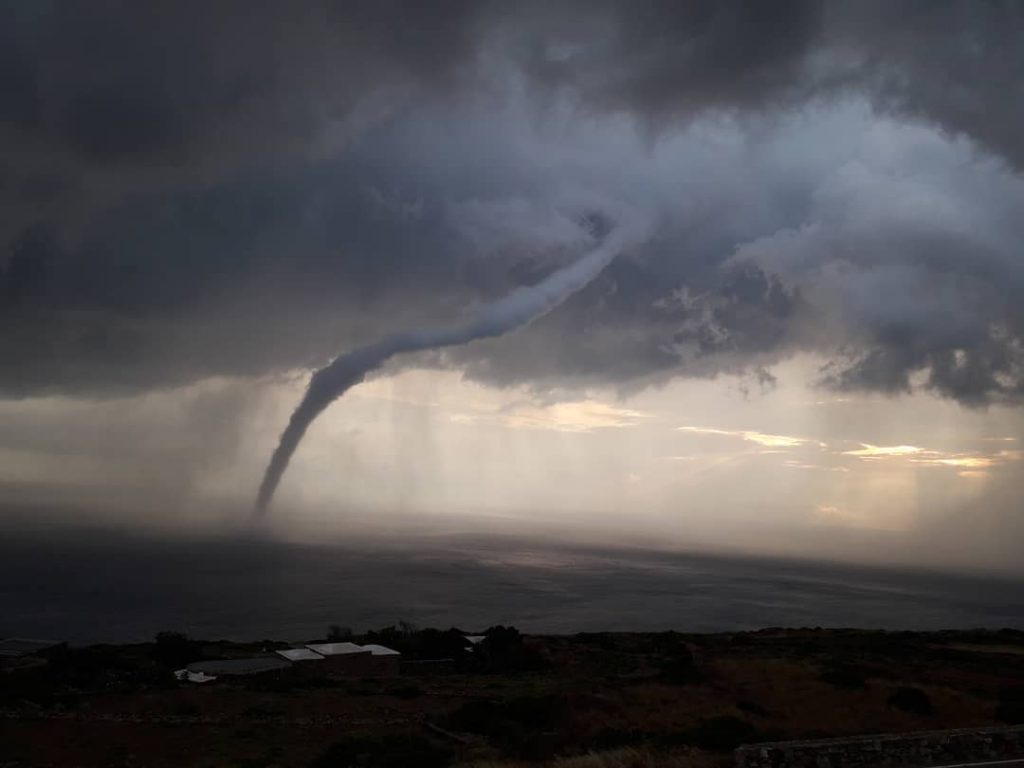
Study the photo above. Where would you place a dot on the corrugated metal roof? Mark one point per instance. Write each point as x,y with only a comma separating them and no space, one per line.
337,649
381,650
239,666
300,654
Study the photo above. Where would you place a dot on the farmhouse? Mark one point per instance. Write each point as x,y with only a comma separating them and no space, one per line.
349,659
299,654
304,662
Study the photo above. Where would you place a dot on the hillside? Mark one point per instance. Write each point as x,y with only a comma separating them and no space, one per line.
656,699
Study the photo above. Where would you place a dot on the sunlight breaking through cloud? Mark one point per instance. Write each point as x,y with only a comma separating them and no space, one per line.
752,436
579,416
972,465
868,451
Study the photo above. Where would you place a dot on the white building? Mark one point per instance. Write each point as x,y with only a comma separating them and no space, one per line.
351,659
300,654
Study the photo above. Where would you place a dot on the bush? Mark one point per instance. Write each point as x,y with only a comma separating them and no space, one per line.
186,709
437,644
751,707
385,751
262,712
719,734
538,712
397,637
603,640
530,728
406,692
666,642
680,668
844,676
339,634
616,738
174,650
105,668
912,700
420,643
503,650
502,639
1010,708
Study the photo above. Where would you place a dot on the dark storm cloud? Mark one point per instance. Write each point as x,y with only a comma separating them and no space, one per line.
956,64
113,100
916,247
668,59
170,83
741,320
157,154
228,188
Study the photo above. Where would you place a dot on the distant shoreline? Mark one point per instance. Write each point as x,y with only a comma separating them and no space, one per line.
122,589
995,640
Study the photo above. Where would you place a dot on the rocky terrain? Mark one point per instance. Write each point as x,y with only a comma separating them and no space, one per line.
615,699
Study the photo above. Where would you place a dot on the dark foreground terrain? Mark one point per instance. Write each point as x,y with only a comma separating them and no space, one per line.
581,701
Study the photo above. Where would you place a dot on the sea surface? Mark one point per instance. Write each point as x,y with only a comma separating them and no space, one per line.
87,587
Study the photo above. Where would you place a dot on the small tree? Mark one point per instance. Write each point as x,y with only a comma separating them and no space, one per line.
1010,708
911,700
407,628
503,650
338,634
174,650
680,667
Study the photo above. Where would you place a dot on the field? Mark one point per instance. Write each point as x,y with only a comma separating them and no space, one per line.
582,701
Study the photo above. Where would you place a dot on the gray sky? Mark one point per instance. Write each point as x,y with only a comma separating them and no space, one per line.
817,347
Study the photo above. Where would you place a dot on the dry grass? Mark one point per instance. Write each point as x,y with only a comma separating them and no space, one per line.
601,692
620,758
1016,650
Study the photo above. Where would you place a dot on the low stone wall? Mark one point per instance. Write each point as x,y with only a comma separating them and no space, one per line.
907,750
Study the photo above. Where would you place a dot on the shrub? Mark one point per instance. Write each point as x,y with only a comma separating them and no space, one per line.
406,692
616,738
666,642
385,751
108,668
186,709
752,707
397,637
395,750
503,650
174,650
680,668
844,676
420,643
719,734
437,644
912,700
500,638
539,712
1010,708
603,640
528,727
338,634
262,712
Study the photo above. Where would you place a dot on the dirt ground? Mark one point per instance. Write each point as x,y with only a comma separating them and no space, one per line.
587,700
